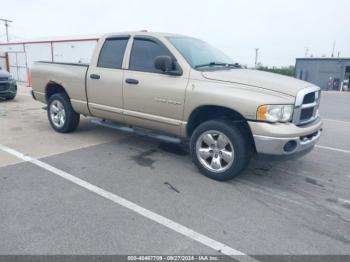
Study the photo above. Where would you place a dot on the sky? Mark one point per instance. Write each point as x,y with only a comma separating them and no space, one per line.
281,29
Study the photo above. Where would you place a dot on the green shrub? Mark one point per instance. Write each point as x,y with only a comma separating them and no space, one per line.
287,71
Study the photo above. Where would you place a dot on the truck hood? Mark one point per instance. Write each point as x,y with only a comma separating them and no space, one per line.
4,73
274,82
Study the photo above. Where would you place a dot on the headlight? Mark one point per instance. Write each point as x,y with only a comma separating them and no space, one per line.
275,113
9,78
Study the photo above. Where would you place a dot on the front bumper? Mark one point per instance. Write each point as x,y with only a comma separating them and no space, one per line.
8,89
278,144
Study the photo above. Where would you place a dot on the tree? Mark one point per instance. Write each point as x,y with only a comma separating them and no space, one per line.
286,70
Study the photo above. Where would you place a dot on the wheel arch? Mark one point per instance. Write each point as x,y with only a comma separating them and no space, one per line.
53,88
204,113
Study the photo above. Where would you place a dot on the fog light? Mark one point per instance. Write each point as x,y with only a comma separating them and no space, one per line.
290,146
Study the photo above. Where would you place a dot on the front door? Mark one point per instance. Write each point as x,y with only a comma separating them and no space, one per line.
105,81
152,99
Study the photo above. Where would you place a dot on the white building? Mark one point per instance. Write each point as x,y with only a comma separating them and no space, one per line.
19,56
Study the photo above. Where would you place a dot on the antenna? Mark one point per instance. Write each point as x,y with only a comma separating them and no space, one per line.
6,27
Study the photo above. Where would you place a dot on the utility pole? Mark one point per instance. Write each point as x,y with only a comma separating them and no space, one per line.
333,49
6,27
306,51
256,57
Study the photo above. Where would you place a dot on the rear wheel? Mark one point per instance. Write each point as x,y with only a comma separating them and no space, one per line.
220,150
61,114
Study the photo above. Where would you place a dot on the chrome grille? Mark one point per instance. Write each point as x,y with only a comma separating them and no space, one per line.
309,98
306,105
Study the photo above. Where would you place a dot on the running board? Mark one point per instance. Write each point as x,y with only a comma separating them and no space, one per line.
138,131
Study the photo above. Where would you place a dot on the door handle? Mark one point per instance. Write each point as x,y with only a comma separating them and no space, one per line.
94,76
131,81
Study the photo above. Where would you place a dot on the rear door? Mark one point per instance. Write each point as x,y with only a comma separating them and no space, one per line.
152,99
105,80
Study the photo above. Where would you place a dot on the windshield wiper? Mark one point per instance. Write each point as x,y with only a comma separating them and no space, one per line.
236,65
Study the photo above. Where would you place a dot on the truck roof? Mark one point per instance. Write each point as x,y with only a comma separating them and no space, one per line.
142,32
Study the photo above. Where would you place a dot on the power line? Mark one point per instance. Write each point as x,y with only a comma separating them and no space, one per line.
6,27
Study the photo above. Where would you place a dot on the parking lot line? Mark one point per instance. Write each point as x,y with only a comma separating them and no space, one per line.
218,246
333,149
24,95
344,201
335,120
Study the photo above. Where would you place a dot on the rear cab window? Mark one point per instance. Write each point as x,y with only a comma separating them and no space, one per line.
112,53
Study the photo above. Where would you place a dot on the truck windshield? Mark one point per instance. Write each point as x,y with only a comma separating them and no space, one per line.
199,54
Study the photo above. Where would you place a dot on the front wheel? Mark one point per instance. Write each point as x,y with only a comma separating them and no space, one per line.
11,97
220,149
61,114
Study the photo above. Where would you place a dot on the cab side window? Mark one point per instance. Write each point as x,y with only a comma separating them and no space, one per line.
143,53
112,53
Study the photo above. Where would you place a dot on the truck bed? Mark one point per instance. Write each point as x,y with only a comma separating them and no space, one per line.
45,74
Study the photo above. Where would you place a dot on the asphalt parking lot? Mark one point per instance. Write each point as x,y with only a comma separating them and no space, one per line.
102,191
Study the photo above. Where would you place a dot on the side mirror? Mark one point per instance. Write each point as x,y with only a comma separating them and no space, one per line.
167,65
163,63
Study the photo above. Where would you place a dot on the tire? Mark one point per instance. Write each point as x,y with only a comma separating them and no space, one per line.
61,114
214,160
11,97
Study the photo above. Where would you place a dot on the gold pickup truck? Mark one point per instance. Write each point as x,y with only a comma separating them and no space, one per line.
186,88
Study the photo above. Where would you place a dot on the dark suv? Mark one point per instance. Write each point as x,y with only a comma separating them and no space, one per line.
8,86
